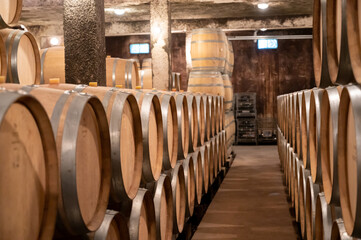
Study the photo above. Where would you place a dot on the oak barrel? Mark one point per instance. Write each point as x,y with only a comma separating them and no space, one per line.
122,72
228,93
306,95
206,82
229,59
3,62
207,117
190,185
197,164
230,127
297,181
304,174
125,136
312,191
201,119
52,64
179,197
29,169
23,61
113,227
298,125
210,148
10,10
212,114
323,218
339,231
209,50
204,152
193,123
142,218
329,133
80,125
146,74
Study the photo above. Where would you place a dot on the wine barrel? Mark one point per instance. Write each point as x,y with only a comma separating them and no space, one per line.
29,169
146,74
52,64
209,50
329,133
210,148
201,121
163,204
205,167
11,10
212,114
23,60
292,174
298,124
229,59
290,119
306,95
189,176
286,168
122,72
348,158
323,218
152,130
222,113
179,198
3,63
315,134
297,188
319,42
125,137
312,191
352,17
206,82
207,117
294,120
183,125
142,218
193,123
338,231
224,148
228,93
216,115
304,174
113,227
230,127
198,175
80,125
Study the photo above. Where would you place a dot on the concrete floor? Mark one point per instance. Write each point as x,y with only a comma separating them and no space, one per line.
251,203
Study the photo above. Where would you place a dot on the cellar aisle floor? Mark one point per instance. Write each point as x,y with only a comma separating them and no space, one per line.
251,203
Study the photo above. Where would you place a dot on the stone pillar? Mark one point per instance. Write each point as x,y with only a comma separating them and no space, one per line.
84,40
160,35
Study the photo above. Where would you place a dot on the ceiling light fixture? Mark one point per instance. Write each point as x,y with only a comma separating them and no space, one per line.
54,41
119,11
262,5
263,29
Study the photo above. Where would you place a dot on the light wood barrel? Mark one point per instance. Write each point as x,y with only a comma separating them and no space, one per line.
329,119
83,146
315,135
204,151
287,162
228,93
125,136
212,116
291,179
163,204
217,155
207,117
304,174
190,185
305,122
209,50
23,60
179,197
224,147
52,64
152,130
297,181
193,123
206,82
146,74
229,59
210,148
29,169
122,72
294,120
197,163
339,231
321,70
323,218
290,119
230,127
216,115
312,191
201,119
11,10
3,63
222,113
349,158
113,227
298,126
142,218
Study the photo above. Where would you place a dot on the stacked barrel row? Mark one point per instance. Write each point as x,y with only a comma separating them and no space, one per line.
212,67
318,144
75,151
